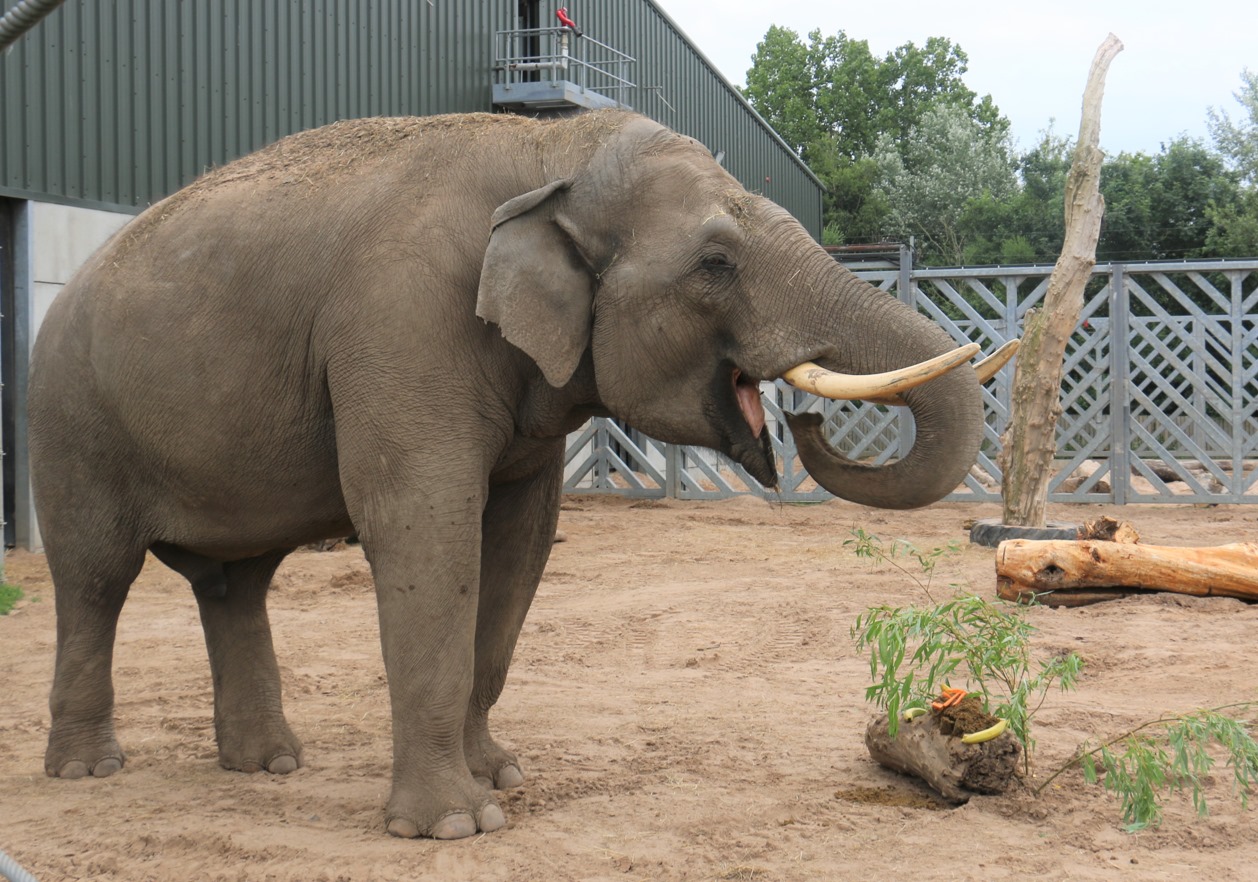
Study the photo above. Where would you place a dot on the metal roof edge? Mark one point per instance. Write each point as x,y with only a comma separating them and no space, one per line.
24,195
668,19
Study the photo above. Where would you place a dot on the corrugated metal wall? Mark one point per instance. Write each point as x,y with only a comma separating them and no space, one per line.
678,87
114,103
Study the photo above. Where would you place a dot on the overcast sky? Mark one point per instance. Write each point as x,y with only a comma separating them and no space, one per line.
1032,58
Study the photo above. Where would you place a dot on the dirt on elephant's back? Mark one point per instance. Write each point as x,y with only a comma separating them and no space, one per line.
316,160
685,699
316,154
310,158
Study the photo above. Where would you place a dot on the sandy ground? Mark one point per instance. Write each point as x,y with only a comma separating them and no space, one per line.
686,700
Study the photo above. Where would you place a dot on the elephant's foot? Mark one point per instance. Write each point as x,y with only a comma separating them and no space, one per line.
275,749
77,749
493,767
99,760
451,812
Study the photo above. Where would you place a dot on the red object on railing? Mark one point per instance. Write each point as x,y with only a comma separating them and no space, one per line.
562,14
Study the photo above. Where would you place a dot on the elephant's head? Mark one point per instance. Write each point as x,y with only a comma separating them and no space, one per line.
689,291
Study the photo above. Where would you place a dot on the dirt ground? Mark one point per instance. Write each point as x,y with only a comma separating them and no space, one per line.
686,701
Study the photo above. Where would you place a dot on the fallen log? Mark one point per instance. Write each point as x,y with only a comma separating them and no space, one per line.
1066,573
929,747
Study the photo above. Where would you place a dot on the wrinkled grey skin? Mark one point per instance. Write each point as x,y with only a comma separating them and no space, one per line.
389,326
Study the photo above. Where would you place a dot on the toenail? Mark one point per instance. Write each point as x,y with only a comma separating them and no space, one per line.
492,818
106,767
282,765
456,825
402,828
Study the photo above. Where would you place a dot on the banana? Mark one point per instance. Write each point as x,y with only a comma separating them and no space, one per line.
986,734
913,713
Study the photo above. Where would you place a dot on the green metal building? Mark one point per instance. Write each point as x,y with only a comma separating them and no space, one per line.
117,103
107,106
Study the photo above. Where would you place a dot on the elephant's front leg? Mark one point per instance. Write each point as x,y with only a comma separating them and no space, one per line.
518,531
425,556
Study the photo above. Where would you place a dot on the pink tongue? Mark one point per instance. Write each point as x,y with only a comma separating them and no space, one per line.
753,411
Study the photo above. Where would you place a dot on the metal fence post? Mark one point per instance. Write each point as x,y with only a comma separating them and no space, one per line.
908,294
1119,393
672,470
1200,401
1239,365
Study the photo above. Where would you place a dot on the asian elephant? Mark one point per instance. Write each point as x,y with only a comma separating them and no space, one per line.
388,326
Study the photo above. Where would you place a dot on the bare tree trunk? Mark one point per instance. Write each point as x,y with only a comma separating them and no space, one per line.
1029,443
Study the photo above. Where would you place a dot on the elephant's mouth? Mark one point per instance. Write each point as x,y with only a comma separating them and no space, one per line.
746,441
747,392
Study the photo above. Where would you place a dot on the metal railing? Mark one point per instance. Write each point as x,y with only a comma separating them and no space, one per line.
1159,393
525,59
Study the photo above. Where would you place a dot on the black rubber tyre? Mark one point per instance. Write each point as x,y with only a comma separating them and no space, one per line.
991,532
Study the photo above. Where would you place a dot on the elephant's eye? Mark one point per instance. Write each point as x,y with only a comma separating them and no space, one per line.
717,263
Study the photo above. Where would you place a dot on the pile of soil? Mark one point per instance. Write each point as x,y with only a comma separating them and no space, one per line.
965,717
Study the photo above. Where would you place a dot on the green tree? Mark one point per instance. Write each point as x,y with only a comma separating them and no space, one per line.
1160,207
855,207
784,85
1238,141
1234,227
1127,229
948,161
1190,178
1156,207
832,100
1027,226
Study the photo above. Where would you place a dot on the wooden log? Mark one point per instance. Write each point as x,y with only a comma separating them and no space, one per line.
951,768
1007,589
1054,571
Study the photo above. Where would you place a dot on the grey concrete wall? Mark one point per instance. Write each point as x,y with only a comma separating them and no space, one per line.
53,241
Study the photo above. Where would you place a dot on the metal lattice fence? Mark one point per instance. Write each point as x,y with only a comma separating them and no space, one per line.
1159,394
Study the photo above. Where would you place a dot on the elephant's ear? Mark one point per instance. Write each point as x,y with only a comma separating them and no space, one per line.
535,286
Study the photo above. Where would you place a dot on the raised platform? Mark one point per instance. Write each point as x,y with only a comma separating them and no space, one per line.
550,95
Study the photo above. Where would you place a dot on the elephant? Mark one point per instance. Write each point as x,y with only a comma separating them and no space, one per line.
388,326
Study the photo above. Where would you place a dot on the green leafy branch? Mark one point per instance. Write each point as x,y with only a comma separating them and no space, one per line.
1139,766
915,651
986,644
869,546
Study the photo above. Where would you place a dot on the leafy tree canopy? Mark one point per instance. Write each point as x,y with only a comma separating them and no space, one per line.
1158,207
947,161
905,148
831,99
1234,226
1238,141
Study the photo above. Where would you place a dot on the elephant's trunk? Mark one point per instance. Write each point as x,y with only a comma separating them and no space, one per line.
947,410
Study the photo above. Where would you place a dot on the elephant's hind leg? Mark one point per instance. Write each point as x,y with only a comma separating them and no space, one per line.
91,582
248,713
518,527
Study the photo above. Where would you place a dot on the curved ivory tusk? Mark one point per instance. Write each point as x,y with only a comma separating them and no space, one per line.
985,369
811,377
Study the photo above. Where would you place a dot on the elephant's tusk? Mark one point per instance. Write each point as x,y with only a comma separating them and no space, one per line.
811,377
985,369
